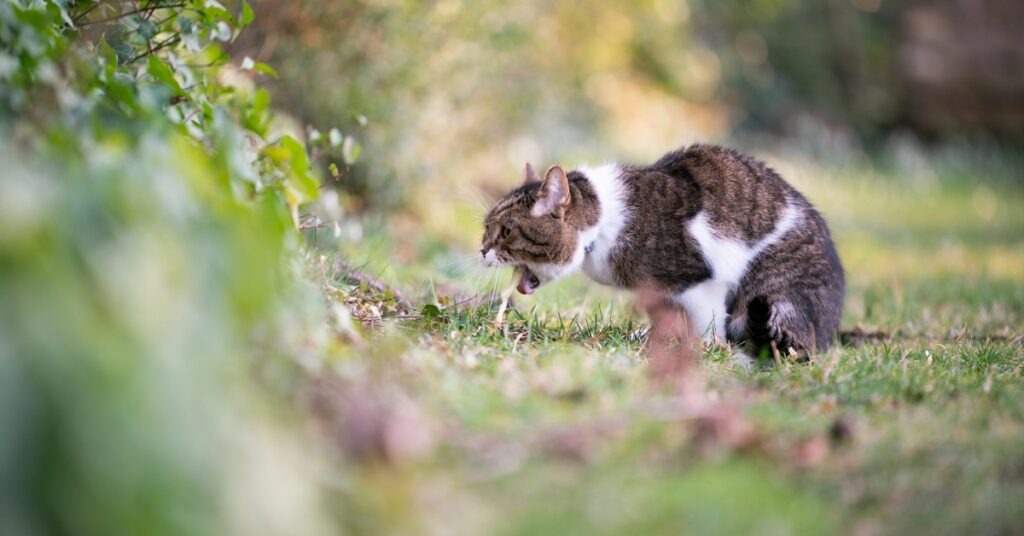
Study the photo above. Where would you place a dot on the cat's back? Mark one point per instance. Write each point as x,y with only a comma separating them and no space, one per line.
740,195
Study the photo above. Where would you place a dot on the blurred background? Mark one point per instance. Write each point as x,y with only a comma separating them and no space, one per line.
240,294
444,93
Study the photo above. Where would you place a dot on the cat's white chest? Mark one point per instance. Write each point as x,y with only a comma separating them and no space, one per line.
601,239
597,262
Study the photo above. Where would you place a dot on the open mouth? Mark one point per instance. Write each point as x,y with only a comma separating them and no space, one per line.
528,281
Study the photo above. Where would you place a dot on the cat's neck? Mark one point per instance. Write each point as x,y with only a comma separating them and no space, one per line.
598,242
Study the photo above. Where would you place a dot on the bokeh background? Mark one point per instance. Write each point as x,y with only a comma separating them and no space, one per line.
240,293
457,91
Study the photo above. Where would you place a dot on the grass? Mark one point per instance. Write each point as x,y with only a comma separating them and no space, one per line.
550,424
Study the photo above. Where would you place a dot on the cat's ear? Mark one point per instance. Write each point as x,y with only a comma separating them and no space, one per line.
529,175
554,197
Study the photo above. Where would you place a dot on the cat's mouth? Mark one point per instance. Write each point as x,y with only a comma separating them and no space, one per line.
528,281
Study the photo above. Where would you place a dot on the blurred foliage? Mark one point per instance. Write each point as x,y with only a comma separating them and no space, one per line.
783,61
148,246
445,89
451,91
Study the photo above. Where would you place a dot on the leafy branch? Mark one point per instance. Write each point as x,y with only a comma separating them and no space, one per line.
170,41
148,10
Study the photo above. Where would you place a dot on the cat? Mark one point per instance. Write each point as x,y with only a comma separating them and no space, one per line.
721,234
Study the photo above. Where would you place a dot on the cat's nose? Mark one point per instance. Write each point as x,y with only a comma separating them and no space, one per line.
483,252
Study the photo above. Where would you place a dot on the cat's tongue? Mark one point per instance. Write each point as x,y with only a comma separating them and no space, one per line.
527,281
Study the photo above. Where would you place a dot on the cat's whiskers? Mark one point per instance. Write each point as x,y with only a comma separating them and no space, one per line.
468,267
496,283
478,279
477,198
492,282
483,283
465,262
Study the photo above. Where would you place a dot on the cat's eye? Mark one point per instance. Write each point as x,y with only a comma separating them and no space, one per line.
504,232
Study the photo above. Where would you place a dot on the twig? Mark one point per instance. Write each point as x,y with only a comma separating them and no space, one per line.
858,335
162,45
222,56
130,13
78,18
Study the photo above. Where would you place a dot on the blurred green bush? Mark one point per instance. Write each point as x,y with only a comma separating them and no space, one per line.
148,246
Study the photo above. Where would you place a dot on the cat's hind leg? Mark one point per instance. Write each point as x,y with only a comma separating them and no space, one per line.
776,325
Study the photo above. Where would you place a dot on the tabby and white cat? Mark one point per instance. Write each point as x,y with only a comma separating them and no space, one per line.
722,235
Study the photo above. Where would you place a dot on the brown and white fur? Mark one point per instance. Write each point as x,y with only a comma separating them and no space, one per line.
719,233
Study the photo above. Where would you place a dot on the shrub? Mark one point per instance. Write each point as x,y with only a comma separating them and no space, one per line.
148,239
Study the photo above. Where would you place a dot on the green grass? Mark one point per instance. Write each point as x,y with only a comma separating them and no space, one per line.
550,424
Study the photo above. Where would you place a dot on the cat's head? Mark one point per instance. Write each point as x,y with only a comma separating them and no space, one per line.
536,229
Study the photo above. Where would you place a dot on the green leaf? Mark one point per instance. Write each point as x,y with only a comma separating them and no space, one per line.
147,29
163,73
265,69
62,7
247,14
121,89
108,53
301,181
123,50
249,65
211,54
430,311
276,154
215,13
261,101
257,117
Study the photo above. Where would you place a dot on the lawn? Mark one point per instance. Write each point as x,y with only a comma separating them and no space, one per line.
551,424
